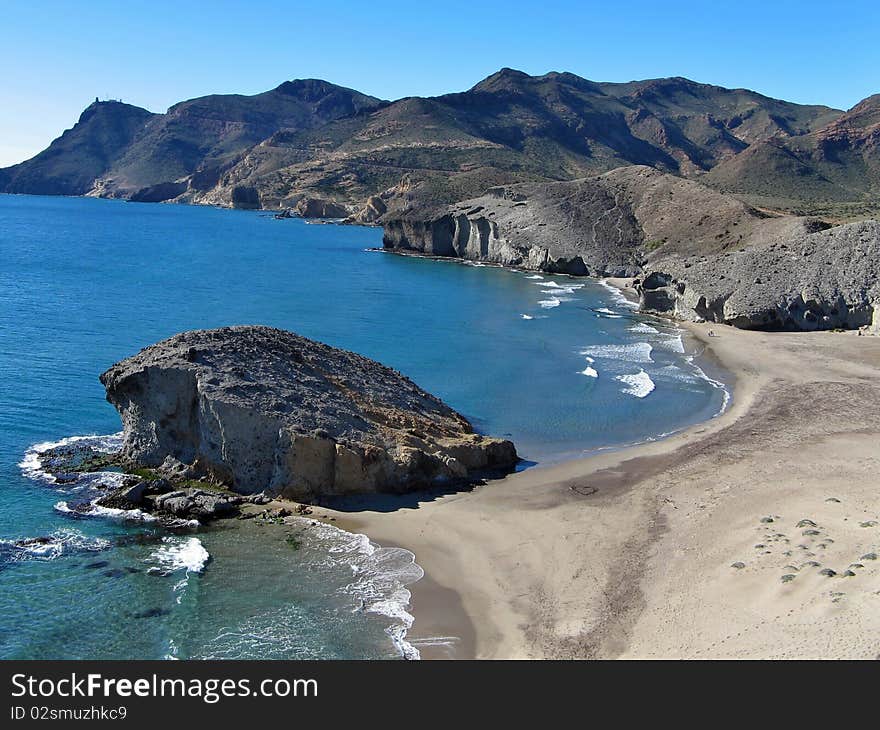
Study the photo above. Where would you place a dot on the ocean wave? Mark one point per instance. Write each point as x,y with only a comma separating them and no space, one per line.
91,509
556,285
635,352
550,303
534,276
725,398
618,296
181,553
526,316
638,384
381,576
52,546
674,343
553,289
643,328
32,465
589,372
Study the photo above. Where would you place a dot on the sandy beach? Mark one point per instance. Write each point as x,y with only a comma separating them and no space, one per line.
712,543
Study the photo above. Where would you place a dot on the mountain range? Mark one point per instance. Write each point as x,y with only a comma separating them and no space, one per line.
310,139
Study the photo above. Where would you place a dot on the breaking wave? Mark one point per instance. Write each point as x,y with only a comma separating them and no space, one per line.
381,576
636,352
637,384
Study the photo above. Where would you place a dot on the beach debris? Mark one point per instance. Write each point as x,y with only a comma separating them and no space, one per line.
856,565
812,564
833,499
766,519
868,523
868,556
828,572
806,523
848,574
810,533
788,578
738,565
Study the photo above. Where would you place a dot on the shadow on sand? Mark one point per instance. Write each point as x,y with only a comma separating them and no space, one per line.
413,500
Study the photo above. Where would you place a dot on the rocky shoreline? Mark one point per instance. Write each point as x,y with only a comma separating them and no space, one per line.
696,254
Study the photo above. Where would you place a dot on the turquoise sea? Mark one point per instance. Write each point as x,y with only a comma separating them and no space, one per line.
562,366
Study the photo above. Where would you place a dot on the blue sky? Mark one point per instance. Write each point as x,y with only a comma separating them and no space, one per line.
57,56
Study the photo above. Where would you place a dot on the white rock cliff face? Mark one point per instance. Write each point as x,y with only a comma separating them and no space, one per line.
260,409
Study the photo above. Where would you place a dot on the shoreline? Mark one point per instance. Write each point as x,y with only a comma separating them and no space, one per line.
629,553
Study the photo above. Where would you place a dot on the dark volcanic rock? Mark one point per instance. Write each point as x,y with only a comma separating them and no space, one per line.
259,408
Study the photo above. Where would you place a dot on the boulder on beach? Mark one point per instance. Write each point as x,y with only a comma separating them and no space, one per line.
257,408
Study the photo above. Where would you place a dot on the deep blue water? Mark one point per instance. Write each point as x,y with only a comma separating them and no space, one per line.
84,283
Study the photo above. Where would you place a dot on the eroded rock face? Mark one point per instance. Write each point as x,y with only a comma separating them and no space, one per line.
699,255
320,208
813,281
259,408
574,228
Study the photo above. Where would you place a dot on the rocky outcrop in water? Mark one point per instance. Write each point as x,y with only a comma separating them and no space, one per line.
257,409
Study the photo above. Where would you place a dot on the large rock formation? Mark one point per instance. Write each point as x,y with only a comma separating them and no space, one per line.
699,254
607,225
259,409
821,280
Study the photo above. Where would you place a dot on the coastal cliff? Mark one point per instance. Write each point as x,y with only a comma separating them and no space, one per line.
261,409
696,254
826,279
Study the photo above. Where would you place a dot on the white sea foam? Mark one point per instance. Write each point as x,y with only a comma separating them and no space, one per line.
643,328
54,545
32,467
534,276
550,303
554,289
556,285
637,352
638,384
526,316
381,575
618,296
181,553
725,402
674,343
96,510
590,372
